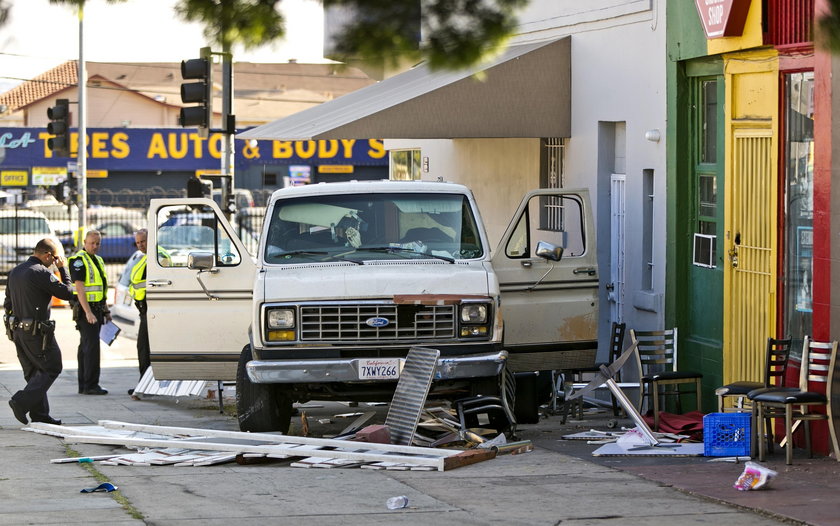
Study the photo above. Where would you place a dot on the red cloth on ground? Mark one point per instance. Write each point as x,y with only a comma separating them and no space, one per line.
690,423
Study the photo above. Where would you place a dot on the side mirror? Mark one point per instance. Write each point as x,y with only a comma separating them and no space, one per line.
200,261
548,251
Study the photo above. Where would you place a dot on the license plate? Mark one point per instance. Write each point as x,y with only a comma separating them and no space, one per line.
379,369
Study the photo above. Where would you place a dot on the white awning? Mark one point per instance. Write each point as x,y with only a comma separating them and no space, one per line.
524,92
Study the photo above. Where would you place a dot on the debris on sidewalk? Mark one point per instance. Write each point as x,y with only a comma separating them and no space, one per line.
395,445
395,503
105,486
755,476
148,385
160,445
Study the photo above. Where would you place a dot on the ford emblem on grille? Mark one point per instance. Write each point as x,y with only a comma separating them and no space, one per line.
377,322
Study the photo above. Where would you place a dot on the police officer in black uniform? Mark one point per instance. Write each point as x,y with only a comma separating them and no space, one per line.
29,292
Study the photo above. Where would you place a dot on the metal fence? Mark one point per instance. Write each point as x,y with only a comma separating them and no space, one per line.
117,215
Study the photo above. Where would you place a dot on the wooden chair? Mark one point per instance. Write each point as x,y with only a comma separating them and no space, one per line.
818,364
775,364
656,356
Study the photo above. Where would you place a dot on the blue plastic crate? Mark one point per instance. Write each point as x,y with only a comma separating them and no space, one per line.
726,434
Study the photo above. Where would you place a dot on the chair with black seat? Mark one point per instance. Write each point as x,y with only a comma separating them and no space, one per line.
656,356
775,365
818,365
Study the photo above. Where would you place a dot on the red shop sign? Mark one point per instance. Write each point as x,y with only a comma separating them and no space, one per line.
723,18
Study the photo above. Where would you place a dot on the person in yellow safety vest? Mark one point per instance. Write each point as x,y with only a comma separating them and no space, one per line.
137,290
90,310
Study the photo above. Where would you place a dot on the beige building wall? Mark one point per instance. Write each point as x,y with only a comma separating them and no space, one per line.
498,171
108,108
120,108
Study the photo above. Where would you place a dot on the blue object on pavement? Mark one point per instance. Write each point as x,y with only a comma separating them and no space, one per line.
105,486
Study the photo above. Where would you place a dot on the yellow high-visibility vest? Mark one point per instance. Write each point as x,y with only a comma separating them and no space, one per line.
94,283
137,286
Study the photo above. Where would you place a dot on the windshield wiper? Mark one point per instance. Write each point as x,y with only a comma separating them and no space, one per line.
407,251
339,257
284,255
342,257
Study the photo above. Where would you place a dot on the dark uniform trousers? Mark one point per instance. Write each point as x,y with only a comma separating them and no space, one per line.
88,354
40,369
143,350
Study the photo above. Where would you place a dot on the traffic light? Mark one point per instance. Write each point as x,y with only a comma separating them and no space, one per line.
200,92
59,127
198,188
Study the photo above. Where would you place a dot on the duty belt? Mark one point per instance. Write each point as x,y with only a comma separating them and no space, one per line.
26,324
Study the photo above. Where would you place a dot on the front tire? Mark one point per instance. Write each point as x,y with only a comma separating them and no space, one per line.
260,407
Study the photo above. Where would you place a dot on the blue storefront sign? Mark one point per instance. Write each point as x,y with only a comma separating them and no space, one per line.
140,149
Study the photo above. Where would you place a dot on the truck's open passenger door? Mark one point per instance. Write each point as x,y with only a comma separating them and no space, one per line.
550,308
198,317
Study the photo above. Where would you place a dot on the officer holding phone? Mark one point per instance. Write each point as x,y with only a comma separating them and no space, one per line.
29,292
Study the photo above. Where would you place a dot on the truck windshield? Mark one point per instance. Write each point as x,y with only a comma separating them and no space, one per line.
362,227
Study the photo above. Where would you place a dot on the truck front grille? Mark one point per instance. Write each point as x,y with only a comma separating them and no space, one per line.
358,322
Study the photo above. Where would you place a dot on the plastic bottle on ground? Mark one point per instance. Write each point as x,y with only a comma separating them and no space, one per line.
395,503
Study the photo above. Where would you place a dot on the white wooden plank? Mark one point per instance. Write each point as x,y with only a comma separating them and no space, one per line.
435,461
276,438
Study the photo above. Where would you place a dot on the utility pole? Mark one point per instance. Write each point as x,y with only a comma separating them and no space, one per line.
228,128
82,159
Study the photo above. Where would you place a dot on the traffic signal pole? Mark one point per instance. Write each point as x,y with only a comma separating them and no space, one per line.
201,92
82,159
228,127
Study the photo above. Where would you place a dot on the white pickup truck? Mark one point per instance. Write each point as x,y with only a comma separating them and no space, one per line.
349,276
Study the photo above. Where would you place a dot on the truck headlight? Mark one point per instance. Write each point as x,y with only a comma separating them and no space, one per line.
474,313
280,325
280,319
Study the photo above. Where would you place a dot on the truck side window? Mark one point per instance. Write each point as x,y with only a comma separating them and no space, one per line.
556,219
182,230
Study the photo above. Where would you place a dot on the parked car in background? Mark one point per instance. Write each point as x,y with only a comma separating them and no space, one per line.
123,311
20,230
117,239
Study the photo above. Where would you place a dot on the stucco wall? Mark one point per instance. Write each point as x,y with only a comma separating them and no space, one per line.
498,171
618,76
618,82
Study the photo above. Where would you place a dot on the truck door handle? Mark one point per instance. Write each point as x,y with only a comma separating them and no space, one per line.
584,270
158,282
526,264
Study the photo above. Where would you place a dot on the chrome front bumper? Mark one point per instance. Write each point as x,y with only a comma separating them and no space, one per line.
347,370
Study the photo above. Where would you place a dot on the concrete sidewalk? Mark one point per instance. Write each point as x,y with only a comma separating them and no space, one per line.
541,487
559,482
806,491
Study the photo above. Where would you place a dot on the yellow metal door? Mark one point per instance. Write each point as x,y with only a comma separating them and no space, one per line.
749,284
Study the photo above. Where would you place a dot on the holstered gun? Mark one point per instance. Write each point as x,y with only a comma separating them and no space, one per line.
9,322
47,329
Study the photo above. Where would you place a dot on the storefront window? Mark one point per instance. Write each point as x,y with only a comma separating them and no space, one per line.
405,165
799,201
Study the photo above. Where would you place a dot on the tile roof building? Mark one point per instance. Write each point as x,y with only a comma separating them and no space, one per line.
148,94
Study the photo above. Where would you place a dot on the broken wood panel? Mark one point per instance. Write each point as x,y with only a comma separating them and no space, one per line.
275,439
434,458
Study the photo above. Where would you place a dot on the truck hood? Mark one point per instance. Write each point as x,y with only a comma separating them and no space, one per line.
341,282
